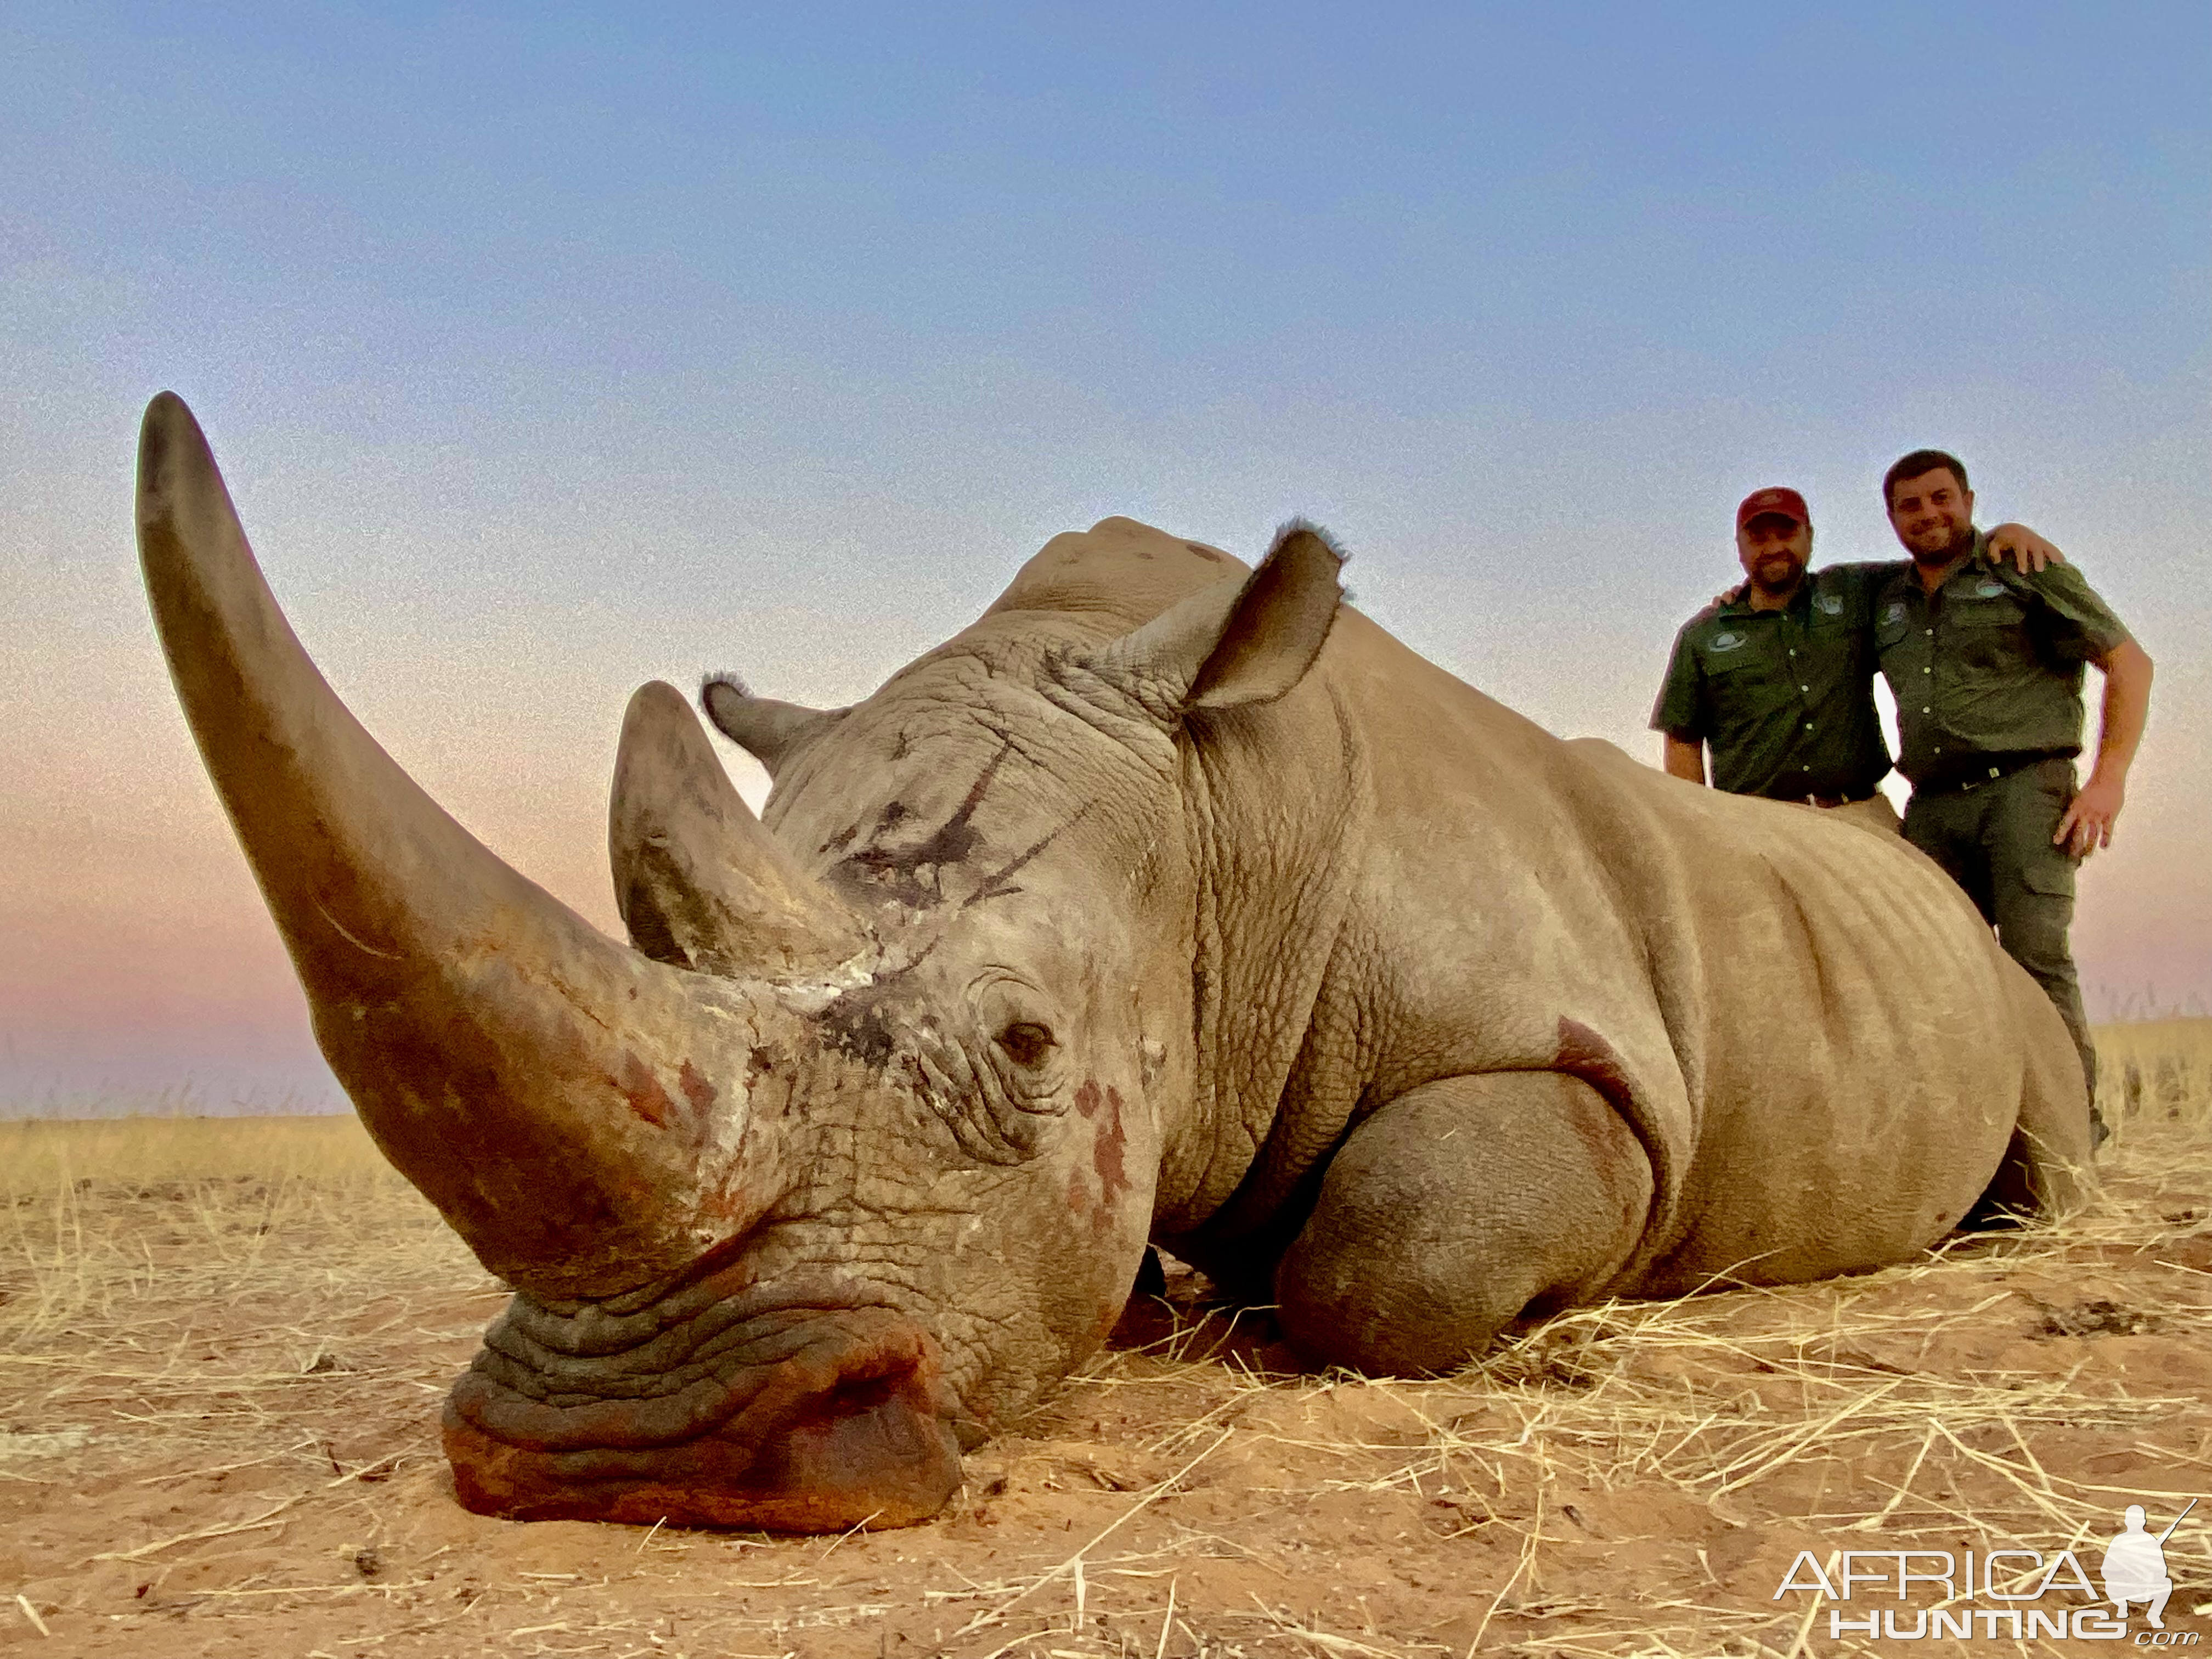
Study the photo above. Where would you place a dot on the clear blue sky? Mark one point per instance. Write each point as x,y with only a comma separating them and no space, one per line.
548,352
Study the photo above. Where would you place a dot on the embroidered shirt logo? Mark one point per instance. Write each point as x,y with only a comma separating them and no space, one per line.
1727,641
1988,590
1831,605
1895,613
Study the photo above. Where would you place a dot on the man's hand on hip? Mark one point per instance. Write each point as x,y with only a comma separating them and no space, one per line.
2087,823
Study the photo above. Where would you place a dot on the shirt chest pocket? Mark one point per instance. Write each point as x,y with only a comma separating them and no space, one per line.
1828,629
1732,657
1987,631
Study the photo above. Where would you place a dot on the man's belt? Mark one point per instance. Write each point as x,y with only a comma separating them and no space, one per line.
1974,771
1826,800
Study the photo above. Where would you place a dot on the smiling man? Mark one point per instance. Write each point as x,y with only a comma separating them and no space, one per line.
1777,677
1986,665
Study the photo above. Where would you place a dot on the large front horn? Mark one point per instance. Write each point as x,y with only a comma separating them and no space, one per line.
575,1110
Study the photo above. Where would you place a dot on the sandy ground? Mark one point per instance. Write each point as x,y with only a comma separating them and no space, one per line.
219,1395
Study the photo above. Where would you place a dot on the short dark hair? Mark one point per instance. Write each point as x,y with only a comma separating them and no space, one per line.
1913,466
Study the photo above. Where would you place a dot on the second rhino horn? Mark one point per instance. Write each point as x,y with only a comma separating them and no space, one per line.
699,880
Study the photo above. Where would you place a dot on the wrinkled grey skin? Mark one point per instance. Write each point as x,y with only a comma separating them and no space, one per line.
1169,900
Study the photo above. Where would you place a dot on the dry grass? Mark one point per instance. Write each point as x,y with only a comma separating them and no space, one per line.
222,1347
37,1154
107,1218
2156,1070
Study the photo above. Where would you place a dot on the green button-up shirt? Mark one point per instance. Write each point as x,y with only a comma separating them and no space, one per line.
1990,664
1784,698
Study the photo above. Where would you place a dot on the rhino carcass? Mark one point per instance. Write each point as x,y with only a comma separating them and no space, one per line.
1169,900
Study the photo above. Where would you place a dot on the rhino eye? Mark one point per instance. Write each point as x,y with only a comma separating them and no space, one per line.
1026,1042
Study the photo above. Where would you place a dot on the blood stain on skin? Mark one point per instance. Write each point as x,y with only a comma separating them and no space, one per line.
642,1092
1108,1144
696,1089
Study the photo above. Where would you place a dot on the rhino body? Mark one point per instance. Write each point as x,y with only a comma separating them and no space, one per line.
1170,900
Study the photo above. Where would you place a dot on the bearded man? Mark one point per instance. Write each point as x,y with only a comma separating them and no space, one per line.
1986,665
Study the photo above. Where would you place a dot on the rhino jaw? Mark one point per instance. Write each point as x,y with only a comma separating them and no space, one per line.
790,1419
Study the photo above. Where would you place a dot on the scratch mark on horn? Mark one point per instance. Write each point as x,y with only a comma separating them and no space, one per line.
340,929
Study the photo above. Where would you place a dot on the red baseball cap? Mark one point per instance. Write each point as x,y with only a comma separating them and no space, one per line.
1787,503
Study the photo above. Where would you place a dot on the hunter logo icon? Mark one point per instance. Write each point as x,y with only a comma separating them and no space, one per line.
1831,605
1727,641
2135,1566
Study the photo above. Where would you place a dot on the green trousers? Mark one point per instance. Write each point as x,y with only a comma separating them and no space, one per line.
1994,840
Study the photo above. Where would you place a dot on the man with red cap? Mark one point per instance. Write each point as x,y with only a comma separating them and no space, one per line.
1777,679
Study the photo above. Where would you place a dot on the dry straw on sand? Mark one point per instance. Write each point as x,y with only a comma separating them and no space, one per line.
223,1344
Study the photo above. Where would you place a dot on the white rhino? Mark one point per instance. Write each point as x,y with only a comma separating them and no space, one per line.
1171,901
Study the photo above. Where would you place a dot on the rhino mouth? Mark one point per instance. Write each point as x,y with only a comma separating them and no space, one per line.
711,1406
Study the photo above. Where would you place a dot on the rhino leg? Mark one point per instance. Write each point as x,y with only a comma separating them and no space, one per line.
2046,1171
1456,1209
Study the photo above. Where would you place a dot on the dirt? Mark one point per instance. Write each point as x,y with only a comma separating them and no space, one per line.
218,1412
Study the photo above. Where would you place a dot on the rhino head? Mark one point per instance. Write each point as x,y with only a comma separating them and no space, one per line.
850,1153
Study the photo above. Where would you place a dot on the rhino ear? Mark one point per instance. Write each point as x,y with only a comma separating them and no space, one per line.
770,732
1236,642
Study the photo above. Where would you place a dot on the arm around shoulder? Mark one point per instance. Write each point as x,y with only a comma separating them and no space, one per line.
2026,550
